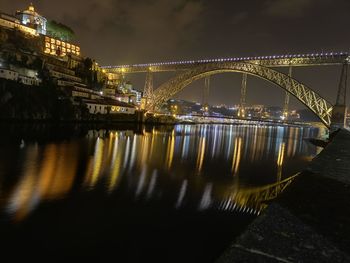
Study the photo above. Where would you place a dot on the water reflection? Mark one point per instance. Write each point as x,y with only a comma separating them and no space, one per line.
189,166
46,176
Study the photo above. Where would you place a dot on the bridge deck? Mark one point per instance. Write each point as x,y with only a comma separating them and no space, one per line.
319,59
310,221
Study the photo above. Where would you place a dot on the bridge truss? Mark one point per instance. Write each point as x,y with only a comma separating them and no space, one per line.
259,66
317,104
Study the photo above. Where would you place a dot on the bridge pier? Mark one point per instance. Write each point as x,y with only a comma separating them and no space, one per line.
206,90
241,111
287,98
339,111
148,94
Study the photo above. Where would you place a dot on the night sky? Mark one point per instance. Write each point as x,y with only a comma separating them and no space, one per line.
139,31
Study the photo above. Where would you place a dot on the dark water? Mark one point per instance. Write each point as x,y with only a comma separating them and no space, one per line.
139,195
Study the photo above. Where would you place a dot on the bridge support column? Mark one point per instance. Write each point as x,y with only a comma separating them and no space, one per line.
148,95
287,98
340,108
241,111
206,94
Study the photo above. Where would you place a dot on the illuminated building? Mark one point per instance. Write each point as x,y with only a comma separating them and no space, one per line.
32,19
60,48
31,23
10,22
105,107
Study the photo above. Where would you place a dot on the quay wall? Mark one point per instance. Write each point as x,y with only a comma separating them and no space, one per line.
309,222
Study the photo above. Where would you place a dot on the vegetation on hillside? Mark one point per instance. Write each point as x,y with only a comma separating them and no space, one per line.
46,102
60,31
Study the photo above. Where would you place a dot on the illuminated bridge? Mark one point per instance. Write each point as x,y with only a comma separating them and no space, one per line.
261,66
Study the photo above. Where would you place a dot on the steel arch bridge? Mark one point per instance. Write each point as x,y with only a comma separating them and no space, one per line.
321,107
259,66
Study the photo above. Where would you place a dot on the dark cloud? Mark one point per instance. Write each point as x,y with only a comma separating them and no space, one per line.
137,31
288,8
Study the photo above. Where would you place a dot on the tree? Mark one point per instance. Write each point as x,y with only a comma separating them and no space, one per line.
60,31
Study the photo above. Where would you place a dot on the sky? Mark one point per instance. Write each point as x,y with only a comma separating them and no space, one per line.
115,32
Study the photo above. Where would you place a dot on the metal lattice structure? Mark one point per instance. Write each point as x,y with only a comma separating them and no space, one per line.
296,60
341,95
257,197
206,91
321,107
241,112
148,91
287,98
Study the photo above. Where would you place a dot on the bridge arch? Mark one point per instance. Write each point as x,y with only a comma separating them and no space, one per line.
312,100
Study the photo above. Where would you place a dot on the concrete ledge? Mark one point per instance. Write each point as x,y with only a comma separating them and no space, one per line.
310,221
334,161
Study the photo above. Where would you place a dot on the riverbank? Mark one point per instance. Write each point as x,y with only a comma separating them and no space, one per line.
309,222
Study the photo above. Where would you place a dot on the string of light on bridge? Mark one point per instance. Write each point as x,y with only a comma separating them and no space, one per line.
187,62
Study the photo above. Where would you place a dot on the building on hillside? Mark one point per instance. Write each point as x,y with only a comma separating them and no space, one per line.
30,22
30,81
10,22
59,48
32,19
8,74
21,75
109,107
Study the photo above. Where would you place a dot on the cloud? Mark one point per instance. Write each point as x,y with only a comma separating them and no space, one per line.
239,17
287,8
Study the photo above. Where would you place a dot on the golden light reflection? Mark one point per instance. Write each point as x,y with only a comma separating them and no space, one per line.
116,166
50,174
280,160
236,155
21,200
170,150
201,153
95,167
145,147
43,179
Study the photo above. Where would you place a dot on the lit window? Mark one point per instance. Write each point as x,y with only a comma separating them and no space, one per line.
78,53
47,50
73,47
63,44
53,46
68,50
63,49
47,44
47,39
77,48
52,41
68,45
58,42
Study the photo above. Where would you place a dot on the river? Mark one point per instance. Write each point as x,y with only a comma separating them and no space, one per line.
137,194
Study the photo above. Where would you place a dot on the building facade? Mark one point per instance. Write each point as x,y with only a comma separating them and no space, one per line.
32,19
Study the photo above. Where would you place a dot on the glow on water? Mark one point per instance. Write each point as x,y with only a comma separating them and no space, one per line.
210,171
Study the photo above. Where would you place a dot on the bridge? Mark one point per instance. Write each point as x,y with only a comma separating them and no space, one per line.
254,198
264,67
